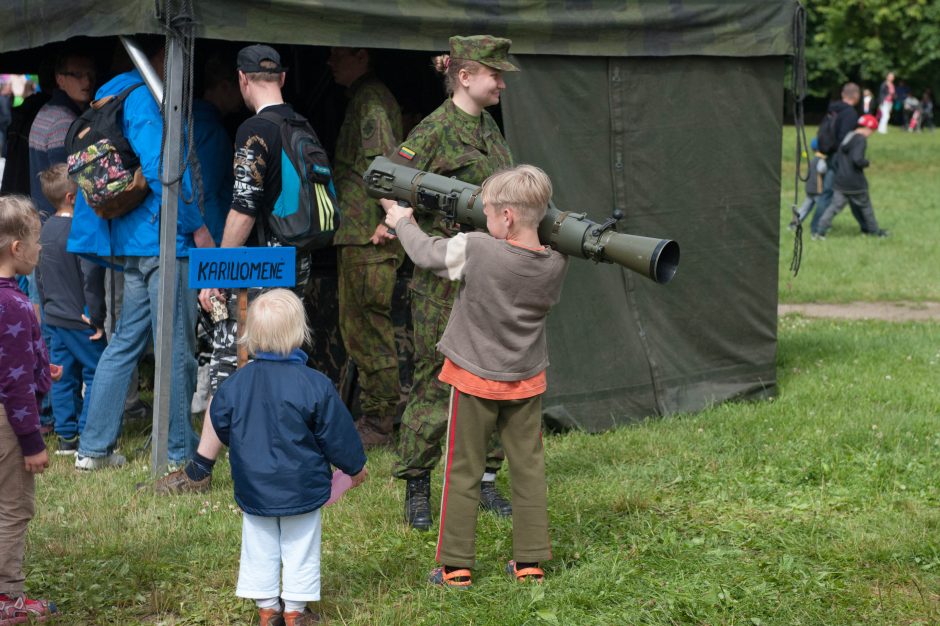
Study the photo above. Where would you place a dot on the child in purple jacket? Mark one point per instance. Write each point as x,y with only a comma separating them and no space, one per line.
25,376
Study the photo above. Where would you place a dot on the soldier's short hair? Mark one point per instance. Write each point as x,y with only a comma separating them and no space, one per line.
276,323
525,188
264,77
55,183
18,219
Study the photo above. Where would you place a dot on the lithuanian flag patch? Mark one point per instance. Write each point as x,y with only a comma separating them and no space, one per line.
407,152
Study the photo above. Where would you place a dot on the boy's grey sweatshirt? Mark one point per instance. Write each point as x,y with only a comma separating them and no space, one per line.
497,327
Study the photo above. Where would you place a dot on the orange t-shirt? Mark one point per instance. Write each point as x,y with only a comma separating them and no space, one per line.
472,385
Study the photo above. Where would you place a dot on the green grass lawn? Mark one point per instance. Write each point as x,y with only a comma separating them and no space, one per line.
819,507
904,179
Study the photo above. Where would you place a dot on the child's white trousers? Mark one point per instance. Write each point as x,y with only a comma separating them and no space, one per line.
267,542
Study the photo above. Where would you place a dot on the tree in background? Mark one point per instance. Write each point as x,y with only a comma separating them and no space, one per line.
862,40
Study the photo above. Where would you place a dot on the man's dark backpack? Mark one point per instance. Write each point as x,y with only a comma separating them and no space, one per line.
101,160
826,134
306,213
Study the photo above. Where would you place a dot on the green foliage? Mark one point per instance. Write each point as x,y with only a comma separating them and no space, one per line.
862,40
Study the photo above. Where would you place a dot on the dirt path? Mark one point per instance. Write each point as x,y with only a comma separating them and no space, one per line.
888,311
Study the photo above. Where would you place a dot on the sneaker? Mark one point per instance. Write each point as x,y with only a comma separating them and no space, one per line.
23,610
301,618
178,482
270,617
90,463
67,446
819,236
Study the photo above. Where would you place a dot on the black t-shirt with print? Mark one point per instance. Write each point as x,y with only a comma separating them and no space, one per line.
258,177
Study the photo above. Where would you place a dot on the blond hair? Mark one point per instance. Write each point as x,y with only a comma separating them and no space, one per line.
56,184
525,188
276,323
18,219
265,76
450,68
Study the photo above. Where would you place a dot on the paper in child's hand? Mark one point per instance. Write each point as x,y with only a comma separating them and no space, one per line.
340,485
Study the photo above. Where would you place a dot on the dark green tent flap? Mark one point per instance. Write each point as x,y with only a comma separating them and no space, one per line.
670,111
742,28
689,149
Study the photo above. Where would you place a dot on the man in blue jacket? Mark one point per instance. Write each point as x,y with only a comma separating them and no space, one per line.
133,242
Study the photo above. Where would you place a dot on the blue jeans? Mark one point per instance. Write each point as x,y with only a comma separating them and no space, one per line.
823,200
78,357
138,322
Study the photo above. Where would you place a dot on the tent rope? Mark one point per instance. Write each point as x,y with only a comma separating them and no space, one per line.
179,23
798,89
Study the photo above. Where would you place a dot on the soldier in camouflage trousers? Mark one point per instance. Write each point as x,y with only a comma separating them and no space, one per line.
461,139
369,256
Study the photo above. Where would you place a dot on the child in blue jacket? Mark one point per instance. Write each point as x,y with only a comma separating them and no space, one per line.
285,425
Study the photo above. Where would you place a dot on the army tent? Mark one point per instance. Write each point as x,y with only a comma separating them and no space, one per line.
670,111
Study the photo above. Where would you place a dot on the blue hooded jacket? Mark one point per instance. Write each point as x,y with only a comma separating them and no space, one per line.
138,232
284,425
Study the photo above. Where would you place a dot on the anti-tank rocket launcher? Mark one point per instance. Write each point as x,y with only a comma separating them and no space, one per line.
571,233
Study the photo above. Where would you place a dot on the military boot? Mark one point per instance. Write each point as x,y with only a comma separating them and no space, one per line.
417,502
375,432
492,500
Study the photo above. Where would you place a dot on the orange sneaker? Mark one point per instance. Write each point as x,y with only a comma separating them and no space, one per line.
301,618
270,617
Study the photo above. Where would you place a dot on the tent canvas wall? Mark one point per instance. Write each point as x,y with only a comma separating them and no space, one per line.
669,111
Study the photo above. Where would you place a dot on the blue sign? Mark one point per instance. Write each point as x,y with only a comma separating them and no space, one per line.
242,267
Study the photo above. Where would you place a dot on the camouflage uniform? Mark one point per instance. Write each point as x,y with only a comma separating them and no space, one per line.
367,272
452,143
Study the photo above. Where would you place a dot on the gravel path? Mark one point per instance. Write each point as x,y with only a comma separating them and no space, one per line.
888,311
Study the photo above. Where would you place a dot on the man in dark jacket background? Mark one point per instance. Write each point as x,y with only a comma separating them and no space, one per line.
850,185
845,116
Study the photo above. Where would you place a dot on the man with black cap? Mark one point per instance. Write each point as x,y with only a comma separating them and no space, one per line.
257,185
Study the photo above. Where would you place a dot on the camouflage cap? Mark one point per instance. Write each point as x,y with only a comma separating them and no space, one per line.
486,49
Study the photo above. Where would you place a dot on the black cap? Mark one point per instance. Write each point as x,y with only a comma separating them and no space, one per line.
250,58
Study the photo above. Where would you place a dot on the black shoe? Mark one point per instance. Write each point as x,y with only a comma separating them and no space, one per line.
417,502
493,500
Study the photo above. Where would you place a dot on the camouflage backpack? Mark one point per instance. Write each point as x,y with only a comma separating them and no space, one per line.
101,160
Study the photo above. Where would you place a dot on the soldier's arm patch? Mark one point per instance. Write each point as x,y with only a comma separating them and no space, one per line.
406,152
368,129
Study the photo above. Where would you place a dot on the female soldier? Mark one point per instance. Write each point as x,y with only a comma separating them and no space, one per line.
458,139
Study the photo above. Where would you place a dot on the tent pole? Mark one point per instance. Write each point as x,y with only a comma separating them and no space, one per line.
172,120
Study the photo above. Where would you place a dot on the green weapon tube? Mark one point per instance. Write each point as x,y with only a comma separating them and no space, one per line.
571,233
